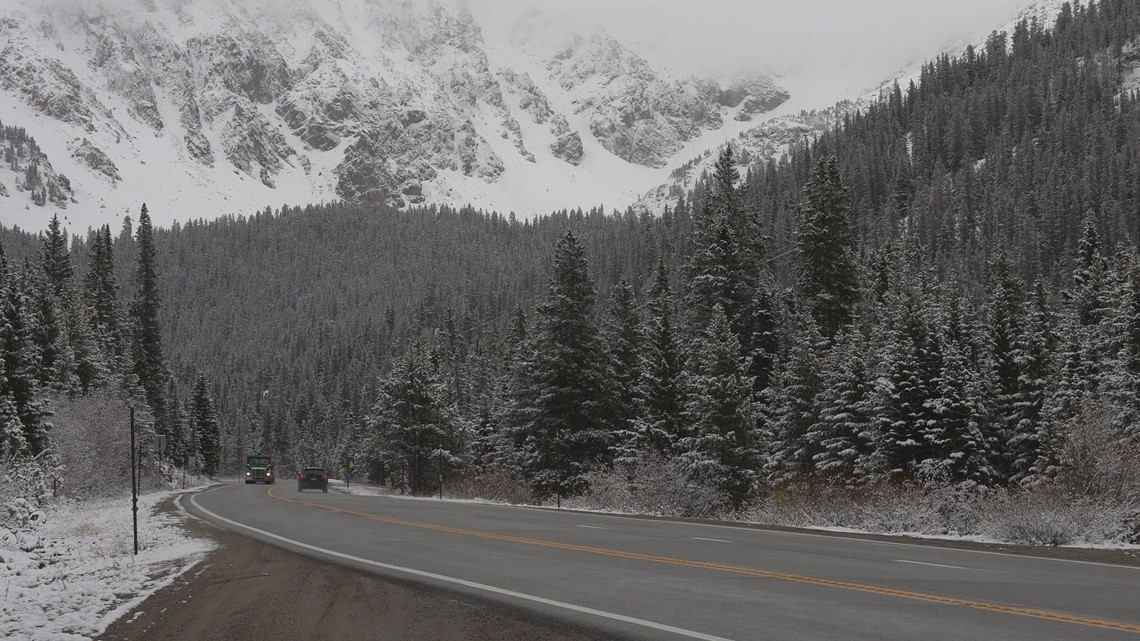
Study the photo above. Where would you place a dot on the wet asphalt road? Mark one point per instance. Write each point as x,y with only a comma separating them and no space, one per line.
658,579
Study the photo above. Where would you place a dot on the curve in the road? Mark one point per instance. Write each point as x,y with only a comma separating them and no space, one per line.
653,625
811,580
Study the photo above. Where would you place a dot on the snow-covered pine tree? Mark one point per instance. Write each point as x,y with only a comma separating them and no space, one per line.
662,423
1035,369
149,364
722,449
728,268
843,429
47,327
12,440
828,278
91,365
204,420
1126,381
177,445
1066,395
623,339
906,373
21,361
56,259
956,431
411,429
101,289
793,409
1004,318
567,411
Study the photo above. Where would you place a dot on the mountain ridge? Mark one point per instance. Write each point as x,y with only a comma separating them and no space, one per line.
218,108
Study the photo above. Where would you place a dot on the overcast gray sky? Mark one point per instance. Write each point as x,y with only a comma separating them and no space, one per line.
801,38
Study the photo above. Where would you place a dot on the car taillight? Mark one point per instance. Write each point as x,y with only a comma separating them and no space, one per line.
326,477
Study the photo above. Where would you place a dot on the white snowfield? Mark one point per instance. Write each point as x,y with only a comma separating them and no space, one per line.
76,574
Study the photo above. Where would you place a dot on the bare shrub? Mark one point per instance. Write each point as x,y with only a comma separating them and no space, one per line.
27,485
657,486
491,486
1097,460
92,435
1053,516
882,507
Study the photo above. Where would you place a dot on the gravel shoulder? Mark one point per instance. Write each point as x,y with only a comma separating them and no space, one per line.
245,589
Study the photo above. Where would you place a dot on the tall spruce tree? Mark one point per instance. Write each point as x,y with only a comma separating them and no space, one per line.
955,433
622,336
728,268
1006,343
843,408
149,365
413,433
1034,372
204,423
793,409
56,259
1126,385
101,289
722,450
828,278
566,412
19,382
662,424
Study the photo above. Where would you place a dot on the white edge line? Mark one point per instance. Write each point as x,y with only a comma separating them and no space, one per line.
937,565
761,529
469,584
593,527
701,538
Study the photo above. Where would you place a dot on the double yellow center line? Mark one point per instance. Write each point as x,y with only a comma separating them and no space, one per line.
987,606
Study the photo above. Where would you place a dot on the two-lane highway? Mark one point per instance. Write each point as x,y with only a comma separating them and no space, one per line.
674,580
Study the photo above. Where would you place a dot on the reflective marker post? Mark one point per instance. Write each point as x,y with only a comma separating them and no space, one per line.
134,485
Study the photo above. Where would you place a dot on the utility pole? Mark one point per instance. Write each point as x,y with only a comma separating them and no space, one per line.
134,485
440,465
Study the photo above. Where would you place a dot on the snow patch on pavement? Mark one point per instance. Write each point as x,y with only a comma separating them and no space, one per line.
76,574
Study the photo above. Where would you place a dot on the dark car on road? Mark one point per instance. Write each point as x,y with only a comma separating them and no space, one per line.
313,478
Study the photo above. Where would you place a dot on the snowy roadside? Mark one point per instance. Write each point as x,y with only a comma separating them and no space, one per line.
781,521
75,574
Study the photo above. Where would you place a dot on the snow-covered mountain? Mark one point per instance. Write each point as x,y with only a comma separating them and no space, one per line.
210,107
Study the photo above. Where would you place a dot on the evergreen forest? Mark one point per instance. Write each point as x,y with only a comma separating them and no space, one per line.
940,292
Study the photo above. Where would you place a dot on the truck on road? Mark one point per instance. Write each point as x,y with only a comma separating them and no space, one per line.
258,469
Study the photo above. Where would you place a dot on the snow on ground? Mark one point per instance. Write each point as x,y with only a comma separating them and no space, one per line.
75,574
1004,527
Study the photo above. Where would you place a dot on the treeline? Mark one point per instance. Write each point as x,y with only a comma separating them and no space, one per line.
882,305
64,332
870,370
942,290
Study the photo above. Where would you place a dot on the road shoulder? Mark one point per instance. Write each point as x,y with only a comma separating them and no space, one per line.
249,589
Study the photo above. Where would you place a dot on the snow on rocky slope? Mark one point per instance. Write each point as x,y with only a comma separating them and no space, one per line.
213,107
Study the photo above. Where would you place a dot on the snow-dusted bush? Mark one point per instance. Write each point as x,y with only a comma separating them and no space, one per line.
1044,515
27,484
499,487
93,437
1050,516
1097,460
656,486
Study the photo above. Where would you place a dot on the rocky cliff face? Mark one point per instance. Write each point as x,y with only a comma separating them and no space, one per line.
391,101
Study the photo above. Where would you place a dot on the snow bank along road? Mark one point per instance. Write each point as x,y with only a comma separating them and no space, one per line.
657,579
